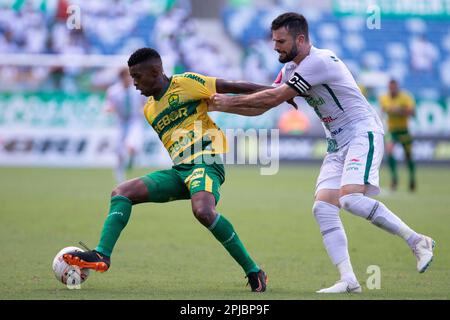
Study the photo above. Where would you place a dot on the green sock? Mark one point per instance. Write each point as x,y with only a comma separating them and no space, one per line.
393,166
223,230
412,171
117,219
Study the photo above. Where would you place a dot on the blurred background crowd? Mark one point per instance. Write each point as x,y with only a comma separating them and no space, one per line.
223,38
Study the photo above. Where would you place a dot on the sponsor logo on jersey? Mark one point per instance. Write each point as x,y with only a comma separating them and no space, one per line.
173,100
337,131
353,166
169,118
328,119
194,77
314,102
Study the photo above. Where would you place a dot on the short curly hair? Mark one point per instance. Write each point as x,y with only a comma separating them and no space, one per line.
143,54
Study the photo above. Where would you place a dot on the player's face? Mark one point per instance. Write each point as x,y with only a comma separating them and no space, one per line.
284,44
145,79
393,87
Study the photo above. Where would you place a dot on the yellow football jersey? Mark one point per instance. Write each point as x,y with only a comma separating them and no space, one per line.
402,100
181,120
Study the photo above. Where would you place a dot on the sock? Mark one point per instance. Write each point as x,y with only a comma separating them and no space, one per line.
334,238
412,170
346,271
117,219
393,166
224,232
377,213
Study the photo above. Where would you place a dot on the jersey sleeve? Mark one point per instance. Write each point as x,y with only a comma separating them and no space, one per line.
277,81
198,86
310,72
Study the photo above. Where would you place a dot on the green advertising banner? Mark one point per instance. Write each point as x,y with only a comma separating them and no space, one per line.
394,8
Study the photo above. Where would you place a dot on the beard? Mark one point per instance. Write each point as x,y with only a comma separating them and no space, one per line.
289,55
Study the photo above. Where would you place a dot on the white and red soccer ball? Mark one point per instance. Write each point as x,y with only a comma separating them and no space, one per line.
65,273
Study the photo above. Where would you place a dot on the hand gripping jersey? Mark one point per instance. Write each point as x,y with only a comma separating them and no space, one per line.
328,87
181,121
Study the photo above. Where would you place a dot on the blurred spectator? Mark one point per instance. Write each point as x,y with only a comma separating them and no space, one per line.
423,54
399,107
127,104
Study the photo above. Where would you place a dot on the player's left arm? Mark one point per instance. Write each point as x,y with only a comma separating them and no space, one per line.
227,86
261,101
243,87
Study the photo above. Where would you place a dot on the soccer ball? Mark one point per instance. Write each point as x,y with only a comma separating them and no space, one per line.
67,274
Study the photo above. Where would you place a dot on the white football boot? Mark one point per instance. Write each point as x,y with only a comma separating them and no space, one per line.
423,250
343,286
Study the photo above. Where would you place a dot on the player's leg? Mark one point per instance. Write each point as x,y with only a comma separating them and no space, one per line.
326,212
204,182
406,141
123,197
358,183
392,162
159,186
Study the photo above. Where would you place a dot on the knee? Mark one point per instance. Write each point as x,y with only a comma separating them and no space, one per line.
124,190
348,201
119,191
317,208
204,214
322,208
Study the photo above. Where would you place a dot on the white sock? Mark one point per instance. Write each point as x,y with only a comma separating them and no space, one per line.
346,271
377,213
334,238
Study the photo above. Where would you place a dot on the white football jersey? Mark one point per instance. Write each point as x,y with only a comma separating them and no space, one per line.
127,102
328,86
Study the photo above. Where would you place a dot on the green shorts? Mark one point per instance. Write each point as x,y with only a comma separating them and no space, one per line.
183,180
402,137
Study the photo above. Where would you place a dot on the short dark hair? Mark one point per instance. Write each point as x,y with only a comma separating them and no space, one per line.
142,55
294,23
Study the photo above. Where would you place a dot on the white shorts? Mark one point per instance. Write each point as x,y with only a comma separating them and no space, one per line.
358,162
130,135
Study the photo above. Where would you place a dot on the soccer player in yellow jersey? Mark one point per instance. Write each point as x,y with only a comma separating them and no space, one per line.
399,106
177,111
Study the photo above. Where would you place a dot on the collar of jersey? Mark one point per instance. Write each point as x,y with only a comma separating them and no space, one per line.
165,90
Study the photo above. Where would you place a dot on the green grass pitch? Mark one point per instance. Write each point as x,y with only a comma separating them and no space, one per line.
164,253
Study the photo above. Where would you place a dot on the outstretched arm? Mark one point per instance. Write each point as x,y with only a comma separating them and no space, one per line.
225,86
261,101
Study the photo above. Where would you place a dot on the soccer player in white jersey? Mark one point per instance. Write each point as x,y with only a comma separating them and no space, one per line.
127,104
349,173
